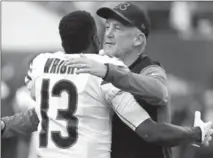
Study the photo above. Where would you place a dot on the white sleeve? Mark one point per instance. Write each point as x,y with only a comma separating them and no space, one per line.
34,71
23,100
125,106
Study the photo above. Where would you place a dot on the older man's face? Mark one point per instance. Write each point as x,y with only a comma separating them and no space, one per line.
118,39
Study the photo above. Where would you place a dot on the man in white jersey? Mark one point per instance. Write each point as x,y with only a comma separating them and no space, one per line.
72,108
75,119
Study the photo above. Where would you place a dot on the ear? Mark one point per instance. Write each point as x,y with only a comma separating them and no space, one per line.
139,40
96,42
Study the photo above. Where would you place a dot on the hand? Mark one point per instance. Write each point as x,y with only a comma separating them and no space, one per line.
206,129
2,125
87,65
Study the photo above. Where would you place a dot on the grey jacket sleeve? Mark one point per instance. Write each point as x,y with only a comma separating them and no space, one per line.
20,124
150,84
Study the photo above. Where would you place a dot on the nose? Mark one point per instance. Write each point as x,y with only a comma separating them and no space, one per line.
109,32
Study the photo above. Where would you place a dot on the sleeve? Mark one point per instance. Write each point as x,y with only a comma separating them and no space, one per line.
150,84
167,134
125,106
20,124
34,71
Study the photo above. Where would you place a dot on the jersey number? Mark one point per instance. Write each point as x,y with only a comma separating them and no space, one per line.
72,121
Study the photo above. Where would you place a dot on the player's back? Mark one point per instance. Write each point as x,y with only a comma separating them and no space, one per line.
75,121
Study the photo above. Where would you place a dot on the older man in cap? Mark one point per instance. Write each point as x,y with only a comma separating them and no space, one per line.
127,29
126,32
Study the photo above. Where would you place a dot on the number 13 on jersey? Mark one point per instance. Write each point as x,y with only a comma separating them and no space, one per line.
67,115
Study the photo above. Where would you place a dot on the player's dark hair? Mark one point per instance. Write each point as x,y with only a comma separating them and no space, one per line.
77,30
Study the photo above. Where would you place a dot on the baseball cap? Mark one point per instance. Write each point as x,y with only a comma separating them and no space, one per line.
127,13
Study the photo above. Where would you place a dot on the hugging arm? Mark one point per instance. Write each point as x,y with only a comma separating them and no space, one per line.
149,85
20,124
138,119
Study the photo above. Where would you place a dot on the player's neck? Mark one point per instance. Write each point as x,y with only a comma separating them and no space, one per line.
90,50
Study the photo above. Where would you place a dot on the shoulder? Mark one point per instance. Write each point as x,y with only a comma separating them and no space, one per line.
154,69
151,65
38,57
106,59
42,57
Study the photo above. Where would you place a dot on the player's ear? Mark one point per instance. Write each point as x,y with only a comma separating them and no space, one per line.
96,42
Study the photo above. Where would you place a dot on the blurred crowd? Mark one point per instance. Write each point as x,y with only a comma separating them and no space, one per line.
181,39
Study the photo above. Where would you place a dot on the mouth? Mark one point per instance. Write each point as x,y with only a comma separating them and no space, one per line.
109,43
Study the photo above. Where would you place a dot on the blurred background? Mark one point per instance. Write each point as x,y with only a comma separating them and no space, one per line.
181,39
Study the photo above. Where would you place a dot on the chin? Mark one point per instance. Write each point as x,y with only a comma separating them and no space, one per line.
109,52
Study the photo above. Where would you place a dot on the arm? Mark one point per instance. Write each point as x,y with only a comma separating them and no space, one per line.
138,119
150,84
34,71
20,124
167,134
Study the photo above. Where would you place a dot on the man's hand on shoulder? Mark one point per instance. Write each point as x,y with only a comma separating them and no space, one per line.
87,65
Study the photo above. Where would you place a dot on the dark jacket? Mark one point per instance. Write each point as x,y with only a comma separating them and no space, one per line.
151,93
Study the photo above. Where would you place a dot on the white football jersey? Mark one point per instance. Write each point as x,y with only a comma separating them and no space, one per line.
75,121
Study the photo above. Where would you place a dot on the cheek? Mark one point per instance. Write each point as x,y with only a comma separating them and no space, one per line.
123,44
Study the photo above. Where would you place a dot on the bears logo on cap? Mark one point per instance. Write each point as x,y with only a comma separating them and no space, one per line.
123,6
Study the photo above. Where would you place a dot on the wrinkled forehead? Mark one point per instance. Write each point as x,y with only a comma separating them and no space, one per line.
128,29
114,21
